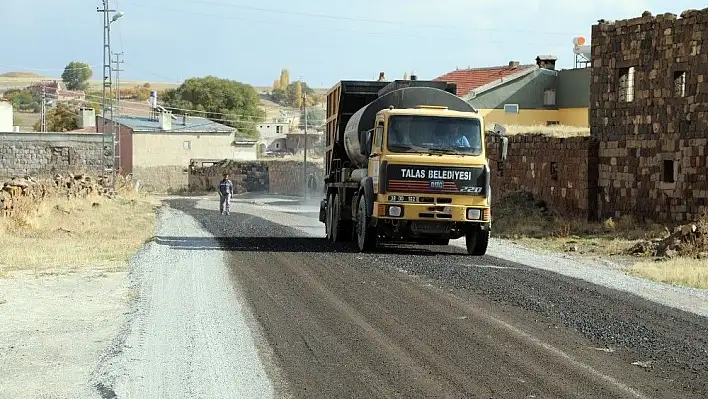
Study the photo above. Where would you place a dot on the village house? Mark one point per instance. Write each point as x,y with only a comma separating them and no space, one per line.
162,144
526,94
55,90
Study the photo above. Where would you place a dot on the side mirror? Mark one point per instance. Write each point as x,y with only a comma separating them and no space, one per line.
366,145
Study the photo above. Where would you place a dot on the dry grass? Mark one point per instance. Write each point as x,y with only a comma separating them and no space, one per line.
62,234
520,217
11,79
560,131
681,271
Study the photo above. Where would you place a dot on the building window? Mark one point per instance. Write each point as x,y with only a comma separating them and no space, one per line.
511,108
680,83
554,171
549,97
626,84
669,172
551,123
187,145
279,129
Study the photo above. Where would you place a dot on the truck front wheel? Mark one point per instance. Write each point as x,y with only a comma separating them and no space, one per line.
477,240
366,236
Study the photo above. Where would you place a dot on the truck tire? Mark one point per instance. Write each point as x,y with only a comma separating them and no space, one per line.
477,240
365,236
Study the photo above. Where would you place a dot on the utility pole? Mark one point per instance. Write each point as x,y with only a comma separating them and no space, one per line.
43,122
107,78
116,126
304,163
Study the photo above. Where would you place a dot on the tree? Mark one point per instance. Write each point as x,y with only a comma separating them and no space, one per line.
63,118
225,101
76,75
24,100
315,118
284,78
297,100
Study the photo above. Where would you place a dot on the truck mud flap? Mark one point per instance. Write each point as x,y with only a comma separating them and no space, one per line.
367,184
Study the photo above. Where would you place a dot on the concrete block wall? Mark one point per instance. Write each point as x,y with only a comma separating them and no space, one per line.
652,155
561,171
40,154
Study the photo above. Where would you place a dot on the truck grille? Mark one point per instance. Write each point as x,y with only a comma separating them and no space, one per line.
412,186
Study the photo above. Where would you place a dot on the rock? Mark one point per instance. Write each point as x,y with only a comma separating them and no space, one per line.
688,229
671,253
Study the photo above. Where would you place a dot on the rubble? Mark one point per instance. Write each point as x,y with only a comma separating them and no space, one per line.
686,240
18,191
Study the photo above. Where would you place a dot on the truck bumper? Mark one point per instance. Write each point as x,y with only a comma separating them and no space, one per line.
433,212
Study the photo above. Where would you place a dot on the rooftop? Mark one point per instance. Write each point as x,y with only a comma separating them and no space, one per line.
195,124
470,79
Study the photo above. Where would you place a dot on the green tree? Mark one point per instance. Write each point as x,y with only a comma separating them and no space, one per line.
24,100
63,118
76,75
225,101
315,118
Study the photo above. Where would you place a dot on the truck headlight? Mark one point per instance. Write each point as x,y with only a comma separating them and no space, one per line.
395,211
474,214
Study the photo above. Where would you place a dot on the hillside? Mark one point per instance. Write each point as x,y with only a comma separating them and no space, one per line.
25,75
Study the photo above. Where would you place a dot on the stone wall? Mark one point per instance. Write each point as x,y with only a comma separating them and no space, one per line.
562,172
649,108
275,177
161,179
38,154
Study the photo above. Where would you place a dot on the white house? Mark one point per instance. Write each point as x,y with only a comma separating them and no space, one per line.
6,117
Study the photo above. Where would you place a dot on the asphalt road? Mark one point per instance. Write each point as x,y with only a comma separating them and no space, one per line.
433,322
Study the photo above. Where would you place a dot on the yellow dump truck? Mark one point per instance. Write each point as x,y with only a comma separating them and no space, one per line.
406,162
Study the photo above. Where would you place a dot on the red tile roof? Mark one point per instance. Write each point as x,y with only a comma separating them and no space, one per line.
470,79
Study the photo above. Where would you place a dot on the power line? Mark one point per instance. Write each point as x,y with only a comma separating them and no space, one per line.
353,19
359,32
20,69
231,120
191,110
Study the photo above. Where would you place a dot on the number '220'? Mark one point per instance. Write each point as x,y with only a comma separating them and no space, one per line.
471,189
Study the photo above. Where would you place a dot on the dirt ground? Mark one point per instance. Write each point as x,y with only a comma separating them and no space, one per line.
54,328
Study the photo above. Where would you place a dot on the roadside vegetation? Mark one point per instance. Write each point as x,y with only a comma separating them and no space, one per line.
559,131
60,234
676,255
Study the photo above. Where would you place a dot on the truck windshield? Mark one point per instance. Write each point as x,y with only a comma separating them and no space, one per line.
431,134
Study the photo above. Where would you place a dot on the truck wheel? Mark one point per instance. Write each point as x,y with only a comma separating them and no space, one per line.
477,241
366,236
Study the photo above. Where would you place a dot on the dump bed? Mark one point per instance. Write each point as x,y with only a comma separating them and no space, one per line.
349,96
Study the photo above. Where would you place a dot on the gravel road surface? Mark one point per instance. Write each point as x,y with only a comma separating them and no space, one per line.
187,336
409,322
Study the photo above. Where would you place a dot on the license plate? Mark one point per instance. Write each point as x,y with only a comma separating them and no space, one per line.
402,198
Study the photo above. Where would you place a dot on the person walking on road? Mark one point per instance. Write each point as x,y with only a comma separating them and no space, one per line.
226,190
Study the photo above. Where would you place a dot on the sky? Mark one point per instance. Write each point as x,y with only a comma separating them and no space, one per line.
318,41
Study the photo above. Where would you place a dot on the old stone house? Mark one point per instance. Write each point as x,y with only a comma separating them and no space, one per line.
649,108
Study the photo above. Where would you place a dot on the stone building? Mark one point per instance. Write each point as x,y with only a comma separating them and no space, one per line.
648,111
